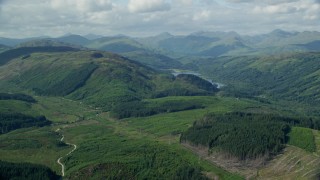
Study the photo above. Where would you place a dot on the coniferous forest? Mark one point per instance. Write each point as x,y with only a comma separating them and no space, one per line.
12,121
243,135
20,97
26,171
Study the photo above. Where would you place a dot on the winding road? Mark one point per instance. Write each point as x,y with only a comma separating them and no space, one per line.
59,160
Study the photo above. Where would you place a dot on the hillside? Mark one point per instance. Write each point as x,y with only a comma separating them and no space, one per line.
134,50
24,52
72,39
291,77
98,78
117,44
3,48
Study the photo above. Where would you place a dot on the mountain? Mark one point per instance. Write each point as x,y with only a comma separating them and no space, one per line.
217,44
92,36
291,76
164,51
47,43
95,77
3,48
134,50
312,46
73,39
280,38
117,44
13,42
154,60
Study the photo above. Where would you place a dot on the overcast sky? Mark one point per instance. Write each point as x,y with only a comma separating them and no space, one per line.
27,18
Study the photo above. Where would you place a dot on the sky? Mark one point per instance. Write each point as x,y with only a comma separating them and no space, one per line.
31,18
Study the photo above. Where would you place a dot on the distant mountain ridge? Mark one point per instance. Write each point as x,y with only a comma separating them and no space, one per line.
160,51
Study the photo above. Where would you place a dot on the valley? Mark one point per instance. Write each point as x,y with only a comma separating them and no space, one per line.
165,107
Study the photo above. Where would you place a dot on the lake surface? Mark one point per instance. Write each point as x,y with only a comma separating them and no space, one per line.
177,72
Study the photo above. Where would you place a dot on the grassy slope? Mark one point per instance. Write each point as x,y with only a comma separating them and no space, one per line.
302,138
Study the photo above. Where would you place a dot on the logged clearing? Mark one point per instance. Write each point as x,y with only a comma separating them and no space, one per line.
294,163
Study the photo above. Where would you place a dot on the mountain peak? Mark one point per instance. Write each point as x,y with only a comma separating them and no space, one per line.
280,32
216,34
164,34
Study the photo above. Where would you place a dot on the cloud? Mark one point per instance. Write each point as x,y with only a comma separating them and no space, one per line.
273,2
82,5
186,2
25,18
239,1
274,9
144,6
202,16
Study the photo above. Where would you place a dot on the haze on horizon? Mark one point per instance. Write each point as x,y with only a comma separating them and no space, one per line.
21,18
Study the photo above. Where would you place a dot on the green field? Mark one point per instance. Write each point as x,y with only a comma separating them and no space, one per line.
302,138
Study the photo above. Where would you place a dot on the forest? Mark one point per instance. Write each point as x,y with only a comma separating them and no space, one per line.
18,96
292,77
148,161
12,121
73,81
242,135
142,109
198,82
247,135
196,87
26,171
26,51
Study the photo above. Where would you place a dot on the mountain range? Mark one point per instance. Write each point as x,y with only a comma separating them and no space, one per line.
160,51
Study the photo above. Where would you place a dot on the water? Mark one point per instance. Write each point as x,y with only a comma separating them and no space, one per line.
176,73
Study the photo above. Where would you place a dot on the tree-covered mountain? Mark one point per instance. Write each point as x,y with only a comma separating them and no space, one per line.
292,76
99,78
